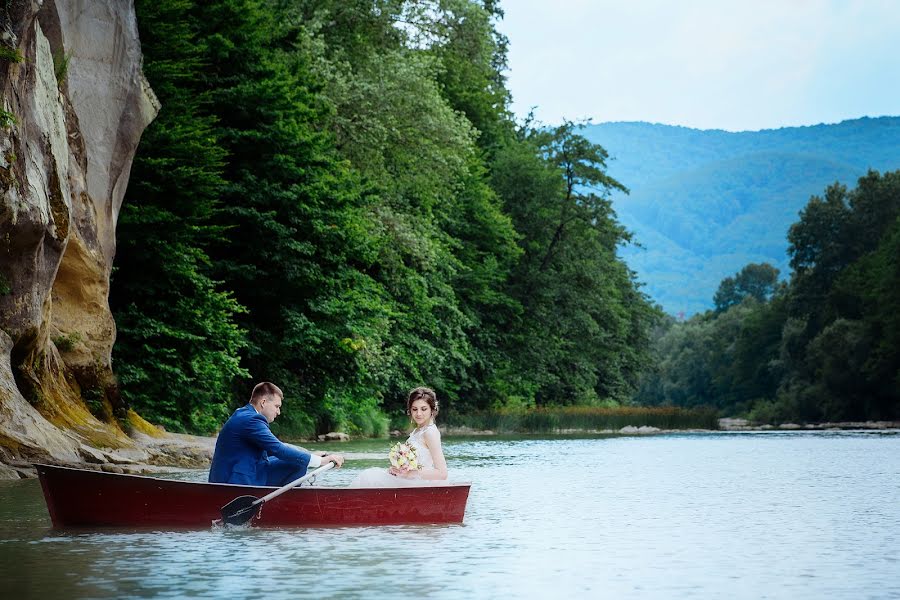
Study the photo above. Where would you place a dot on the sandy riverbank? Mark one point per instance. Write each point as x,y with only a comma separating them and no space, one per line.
168,453
745,425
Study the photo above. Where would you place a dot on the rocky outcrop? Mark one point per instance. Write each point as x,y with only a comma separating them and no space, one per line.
74,104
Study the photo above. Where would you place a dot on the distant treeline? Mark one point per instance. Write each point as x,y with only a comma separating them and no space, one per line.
823,347
335,197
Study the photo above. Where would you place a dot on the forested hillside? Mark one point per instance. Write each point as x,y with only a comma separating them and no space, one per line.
705,203
335,197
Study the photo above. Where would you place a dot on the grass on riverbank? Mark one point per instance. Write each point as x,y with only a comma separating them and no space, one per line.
584,418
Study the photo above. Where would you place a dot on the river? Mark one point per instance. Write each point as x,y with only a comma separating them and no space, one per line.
700,515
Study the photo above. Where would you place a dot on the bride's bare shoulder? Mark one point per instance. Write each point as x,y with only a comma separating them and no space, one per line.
431,432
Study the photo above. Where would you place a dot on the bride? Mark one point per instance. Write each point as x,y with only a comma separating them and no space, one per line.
422,406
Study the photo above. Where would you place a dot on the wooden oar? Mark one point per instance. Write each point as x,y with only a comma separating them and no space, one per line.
241,509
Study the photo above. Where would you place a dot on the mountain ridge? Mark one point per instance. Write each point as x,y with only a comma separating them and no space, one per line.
704,203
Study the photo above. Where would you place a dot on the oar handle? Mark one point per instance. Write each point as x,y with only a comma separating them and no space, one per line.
295,483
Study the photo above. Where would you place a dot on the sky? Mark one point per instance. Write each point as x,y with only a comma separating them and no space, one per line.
738,65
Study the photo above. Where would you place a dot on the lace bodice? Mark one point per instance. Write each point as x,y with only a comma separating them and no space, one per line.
379,477
417,439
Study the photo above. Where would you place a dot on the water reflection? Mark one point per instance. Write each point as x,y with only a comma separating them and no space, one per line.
782,514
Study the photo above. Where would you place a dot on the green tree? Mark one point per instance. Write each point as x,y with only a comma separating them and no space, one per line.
681,375
757,369
445,247
841,291
298,243
472,53
177,348
584,328
757,281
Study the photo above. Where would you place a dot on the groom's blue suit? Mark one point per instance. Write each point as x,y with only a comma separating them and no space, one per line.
248,453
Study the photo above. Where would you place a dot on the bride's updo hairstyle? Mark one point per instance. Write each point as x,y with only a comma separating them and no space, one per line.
426,394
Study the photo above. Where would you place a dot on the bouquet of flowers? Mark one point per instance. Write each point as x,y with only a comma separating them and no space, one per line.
403,457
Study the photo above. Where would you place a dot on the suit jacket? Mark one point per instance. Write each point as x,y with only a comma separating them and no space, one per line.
244,446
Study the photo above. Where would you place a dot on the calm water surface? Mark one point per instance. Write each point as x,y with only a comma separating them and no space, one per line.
762,515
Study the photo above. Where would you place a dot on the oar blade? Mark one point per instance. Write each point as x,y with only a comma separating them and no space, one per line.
240,510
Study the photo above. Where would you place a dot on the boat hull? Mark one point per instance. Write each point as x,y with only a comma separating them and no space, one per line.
85,498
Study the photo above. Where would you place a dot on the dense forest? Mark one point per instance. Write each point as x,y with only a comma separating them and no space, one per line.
335,197
825,346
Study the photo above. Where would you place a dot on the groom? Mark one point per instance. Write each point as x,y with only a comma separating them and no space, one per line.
248,453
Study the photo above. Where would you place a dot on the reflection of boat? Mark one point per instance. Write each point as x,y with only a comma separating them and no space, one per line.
85,498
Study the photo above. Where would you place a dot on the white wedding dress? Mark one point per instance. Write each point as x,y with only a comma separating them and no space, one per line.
377,477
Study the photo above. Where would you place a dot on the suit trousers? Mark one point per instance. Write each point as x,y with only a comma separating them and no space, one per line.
280,472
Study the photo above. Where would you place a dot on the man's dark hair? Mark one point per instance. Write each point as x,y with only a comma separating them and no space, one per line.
265,391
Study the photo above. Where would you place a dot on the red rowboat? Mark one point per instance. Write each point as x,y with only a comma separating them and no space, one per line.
85,498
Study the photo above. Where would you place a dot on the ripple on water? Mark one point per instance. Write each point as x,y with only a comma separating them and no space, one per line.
783,515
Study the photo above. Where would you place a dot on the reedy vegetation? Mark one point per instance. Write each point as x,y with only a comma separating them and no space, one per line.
555,419
336,198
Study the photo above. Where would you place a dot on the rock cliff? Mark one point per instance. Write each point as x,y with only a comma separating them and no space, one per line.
74,105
